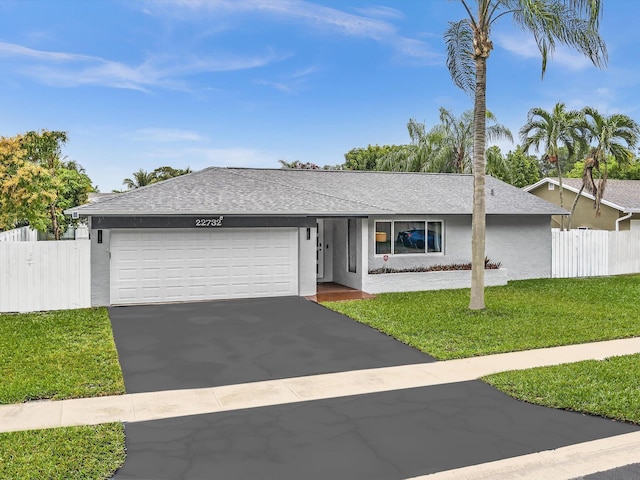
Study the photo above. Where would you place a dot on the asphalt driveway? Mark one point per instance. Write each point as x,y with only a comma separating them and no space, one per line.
387,436
208,344
383,436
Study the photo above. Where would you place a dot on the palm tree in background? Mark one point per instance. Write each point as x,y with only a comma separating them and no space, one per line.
141,178
550,131
458,134
573,23
446,148
615,136
423,154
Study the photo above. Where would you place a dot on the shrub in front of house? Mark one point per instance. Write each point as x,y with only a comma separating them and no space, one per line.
488,265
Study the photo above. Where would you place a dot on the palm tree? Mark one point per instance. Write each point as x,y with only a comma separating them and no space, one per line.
615,136
141,178
446,148
553,130
458,134
570,22
423,154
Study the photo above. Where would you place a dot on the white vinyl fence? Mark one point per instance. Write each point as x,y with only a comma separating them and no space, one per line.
37,276
22,234
590,253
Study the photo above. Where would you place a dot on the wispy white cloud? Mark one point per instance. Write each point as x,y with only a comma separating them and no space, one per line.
525,47
380,12
369,24
64,69
292,83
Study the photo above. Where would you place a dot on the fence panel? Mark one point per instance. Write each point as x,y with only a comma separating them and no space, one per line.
37,276
624,252
22,234
589,253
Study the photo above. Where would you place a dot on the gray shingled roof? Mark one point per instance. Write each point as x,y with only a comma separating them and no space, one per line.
621,194
238,191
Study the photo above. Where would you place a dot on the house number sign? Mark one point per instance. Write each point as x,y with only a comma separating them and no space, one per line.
209,222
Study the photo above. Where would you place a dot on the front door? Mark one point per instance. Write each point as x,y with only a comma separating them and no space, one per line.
320,249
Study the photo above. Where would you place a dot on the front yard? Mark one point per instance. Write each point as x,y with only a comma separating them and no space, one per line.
58,355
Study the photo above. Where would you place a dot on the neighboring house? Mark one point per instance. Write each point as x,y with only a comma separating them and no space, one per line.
239,233
619,210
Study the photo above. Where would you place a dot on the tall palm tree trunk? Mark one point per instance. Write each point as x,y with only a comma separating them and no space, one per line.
478,219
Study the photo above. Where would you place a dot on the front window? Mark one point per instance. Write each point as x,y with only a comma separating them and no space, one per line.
408,237
383,238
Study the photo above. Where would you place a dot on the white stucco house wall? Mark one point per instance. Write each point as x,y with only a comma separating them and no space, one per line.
239,233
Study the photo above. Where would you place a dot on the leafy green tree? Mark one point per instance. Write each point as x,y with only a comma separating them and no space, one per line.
36,185
165,173
516,168
22,201
630,171
523,168
497,165
568,22
367,158
298,165
74,189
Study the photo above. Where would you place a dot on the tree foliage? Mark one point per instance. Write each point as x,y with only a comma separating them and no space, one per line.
36,184
549,131
611,136
368,158
142,178
446,148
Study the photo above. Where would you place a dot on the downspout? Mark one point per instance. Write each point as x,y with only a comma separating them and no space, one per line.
627,216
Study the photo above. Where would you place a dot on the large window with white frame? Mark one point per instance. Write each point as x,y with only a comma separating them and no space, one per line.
402,237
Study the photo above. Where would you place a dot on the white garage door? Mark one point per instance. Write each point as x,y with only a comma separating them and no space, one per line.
152,266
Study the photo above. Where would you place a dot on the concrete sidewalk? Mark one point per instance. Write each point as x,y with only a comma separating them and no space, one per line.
563,463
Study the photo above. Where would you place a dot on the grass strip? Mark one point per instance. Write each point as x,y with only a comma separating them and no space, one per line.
90,452
608,388
58,355
522,315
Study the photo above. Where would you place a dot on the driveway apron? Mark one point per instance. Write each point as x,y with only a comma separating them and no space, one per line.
383,436
196,345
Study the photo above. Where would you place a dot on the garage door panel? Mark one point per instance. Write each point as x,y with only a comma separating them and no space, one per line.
185,265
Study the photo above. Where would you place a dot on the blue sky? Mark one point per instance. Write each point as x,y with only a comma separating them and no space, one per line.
198,83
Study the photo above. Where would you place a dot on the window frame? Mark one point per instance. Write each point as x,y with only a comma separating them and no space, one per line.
393,236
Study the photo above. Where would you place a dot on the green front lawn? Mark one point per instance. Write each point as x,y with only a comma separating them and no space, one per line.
608,388
92,453
519,316
57,355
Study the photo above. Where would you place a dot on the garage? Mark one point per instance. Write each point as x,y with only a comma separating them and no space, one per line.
185,265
